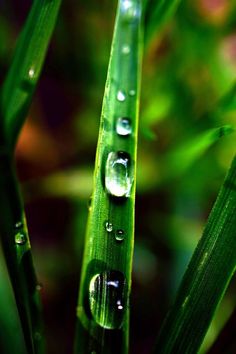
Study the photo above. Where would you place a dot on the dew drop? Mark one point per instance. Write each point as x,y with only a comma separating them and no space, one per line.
125,49
123,126
39,287
90,203
20,238
121,96
130,10
118,174
132,93
108,226
31,73
119,235
106,299
18,225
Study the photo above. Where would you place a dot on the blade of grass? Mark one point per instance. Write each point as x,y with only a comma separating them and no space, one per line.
103,312
24,72
207,276
156,14
15,100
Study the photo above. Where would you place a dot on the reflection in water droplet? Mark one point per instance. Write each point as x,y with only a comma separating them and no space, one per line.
31,73
118,174
20,238
107,299
130,10
125,49
18,225
123,126
119,235
132,93
108,226
121,96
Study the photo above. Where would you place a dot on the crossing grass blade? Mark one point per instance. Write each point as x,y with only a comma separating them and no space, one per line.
15,99
103,306
157,13
207,276
24,72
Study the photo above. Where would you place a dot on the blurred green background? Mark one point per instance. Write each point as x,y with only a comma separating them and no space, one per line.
189,74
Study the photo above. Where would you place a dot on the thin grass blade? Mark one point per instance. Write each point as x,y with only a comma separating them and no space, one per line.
24,72
103,308
207,276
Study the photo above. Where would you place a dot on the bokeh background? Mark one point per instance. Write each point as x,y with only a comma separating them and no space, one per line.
189,73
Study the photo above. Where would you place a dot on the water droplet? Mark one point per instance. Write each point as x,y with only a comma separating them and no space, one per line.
20,238
18,225
119,235
125,49
123,126
39,287
31,73
130,10
108,226
106,299
90,203
121,96
118,175
132,93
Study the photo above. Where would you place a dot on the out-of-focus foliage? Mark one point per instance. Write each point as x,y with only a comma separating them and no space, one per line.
188,74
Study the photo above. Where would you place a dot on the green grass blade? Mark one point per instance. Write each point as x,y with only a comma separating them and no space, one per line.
207,276
156,14
17,251
103,313
23,75
189,151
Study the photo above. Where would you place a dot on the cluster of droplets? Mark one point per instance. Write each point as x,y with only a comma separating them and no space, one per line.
107,299
20,236
119,234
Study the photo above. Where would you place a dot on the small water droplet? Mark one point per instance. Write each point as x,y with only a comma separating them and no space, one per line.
118,174
130,10
90,203
106,299
39,287
121,96
31,73
119,235
20,238
125,49
132,93
18,225
123,126
108,226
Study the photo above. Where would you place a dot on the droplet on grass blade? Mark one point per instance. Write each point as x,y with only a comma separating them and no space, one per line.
118,174
106,299
123,126
121,96
130,10
18,225
20,238
119,235
125,49
108,226
132,93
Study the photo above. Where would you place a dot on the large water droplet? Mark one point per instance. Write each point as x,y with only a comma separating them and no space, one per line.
123,126
119,235
107,299
20,238
118,175
108,226
121,96
130,10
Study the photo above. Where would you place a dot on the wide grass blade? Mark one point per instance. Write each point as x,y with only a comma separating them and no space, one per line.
24,72
207,276
103,308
